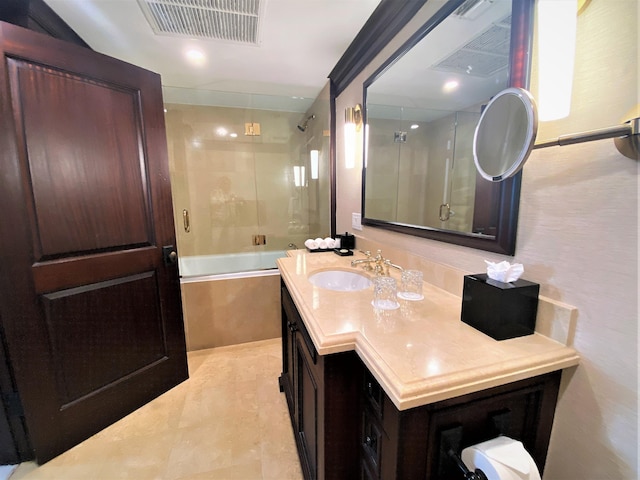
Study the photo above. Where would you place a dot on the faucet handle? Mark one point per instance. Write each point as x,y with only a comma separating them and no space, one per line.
389,264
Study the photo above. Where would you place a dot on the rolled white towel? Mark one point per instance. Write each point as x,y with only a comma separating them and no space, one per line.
318,240
331,243
323,245
311,244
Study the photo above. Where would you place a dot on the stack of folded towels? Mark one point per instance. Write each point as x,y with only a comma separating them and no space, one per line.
322,244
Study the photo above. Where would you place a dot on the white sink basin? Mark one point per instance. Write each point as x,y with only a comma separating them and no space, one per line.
340,280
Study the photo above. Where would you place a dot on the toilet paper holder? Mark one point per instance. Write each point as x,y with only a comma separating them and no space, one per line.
468,474
450,440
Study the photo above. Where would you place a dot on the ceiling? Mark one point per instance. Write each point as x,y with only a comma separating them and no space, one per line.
299,42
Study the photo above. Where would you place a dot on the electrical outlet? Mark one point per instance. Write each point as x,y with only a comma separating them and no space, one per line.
355,221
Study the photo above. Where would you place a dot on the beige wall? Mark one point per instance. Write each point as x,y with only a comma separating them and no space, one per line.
577,237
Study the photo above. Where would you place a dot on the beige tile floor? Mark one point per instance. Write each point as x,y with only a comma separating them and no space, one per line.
228,421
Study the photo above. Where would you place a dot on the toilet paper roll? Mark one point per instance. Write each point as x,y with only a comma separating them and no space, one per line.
501,458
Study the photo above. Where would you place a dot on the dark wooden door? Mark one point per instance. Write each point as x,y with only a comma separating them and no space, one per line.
90,311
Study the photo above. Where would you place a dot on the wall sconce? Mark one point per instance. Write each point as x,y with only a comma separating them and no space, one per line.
314,159
556,52
352,124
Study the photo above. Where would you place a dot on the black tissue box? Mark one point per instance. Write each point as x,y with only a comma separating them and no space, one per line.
500,310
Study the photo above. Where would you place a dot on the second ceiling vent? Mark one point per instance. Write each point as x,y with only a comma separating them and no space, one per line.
230,20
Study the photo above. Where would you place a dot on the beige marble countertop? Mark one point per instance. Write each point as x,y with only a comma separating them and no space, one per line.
422,352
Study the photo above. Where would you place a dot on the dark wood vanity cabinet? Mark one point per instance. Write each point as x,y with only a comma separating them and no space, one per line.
412,444
346,427
322,394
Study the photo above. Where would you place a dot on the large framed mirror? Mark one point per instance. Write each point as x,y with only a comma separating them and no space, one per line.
421,110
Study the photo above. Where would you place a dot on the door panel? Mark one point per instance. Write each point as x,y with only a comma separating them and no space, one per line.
88,194
122,348
93,324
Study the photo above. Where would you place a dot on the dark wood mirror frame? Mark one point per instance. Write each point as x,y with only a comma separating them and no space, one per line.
387,21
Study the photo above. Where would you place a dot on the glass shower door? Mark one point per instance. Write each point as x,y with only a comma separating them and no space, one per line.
241,179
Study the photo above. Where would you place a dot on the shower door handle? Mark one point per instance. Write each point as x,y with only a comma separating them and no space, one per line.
445,212
185,220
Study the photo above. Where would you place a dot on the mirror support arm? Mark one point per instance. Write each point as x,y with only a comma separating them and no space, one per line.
627,138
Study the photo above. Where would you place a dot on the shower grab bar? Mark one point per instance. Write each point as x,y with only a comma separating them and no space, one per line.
185,220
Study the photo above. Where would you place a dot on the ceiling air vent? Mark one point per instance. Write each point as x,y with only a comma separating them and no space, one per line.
471,9
231,20
483,56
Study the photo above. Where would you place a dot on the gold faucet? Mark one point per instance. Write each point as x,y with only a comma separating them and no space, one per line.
367,261
378,264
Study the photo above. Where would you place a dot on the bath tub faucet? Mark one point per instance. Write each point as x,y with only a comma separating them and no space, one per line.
293,245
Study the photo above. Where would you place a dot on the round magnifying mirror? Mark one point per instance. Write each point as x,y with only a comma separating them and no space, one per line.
505,134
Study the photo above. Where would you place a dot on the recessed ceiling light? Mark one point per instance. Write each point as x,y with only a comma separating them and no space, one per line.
450,86
414,126
222,131
195,56
233,135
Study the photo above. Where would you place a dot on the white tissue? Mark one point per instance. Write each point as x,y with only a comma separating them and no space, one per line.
311,244
504,271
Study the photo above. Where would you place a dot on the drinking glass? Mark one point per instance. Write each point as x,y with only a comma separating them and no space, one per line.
411,285
384,293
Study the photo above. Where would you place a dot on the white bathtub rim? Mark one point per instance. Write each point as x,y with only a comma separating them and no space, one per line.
230,276
198,266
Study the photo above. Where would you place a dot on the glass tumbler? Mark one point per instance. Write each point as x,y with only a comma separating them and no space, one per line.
411,285
384,293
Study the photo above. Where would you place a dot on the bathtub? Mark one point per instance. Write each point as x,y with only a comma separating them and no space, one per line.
231,265
230,299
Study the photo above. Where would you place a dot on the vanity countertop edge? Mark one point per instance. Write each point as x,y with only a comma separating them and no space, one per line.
422,352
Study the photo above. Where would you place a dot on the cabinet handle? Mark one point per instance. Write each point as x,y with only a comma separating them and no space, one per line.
370,389
371,442
292,326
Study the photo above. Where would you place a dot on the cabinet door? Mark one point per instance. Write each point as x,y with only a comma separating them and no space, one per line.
307,404
290,321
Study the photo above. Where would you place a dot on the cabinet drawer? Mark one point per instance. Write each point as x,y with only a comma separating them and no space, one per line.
371,442
373,394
